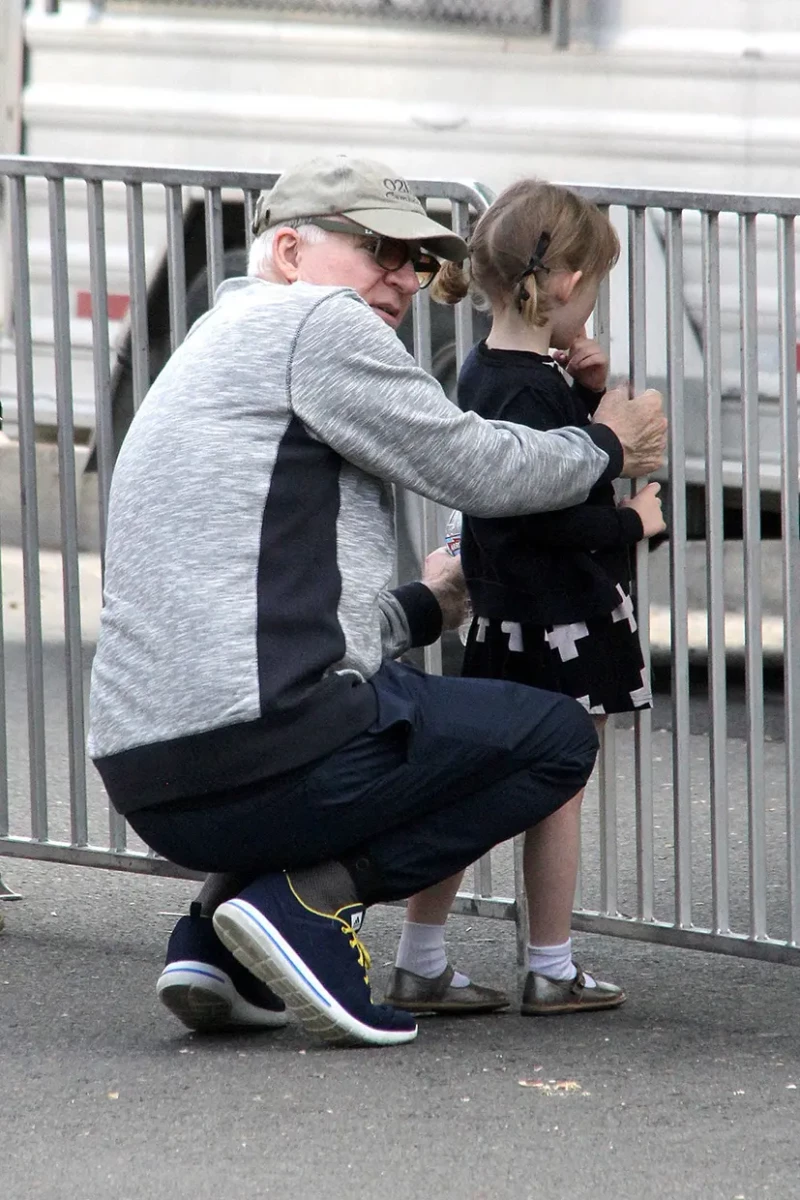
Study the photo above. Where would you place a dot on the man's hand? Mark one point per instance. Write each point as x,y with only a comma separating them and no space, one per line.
443,575
640,425
647,504
585,361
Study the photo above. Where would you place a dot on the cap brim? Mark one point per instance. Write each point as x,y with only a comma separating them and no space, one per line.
411,227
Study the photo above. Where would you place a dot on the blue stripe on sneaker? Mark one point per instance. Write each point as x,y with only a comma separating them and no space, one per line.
193,971
265,928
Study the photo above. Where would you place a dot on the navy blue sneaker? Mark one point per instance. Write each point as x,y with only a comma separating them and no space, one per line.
203,985
313,960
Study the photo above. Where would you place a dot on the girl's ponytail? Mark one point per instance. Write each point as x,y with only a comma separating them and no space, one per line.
531,301
451,283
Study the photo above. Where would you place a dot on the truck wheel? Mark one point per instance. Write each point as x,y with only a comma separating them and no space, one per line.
234,263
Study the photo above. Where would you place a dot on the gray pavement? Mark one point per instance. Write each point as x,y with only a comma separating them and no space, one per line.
690,1090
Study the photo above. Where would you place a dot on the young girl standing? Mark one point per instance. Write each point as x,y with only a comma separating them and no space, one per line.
550,592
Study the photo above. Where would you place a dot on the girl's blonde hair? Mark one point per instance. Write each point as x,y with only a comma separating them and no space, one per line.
532,229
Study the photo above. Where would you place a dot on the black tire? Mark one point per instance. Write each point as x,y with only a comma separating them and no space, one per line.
234,263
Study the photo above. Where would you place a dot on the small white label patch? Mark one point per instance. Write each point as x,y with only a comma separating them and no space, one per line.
356,921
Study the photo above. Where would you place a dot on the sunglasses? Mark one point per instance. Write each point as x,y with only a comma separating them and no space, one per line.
390,254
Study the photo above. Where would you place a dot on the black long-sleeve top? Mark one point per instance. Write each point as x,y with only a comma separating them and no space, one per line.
554,567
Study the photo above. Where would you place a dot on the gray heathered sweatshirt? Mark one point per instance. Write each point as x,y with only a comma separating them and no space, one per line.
251,537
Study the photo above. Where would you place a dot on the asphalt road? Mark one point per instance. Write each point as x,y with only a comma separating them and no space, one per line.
691,1090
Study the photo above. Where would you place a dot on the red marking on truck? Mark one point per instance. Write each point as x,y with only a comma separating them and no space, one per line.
117,305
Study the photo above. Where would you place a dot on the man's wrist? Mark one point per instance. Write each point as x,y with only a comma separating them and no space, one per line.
422,611
604,437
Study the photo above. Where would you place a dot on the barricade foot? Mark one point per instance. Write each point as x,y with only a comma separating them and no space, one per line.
6,892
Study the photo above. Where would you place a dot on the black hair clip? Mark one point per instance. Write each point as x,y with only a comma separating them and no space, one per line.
536,263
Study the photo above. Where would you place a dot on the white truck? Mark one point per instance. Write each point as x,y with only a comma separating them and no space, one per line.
693,95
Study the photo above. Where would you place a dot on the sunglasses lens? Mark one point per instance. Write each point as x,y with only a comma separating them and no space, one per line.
391,255
426,267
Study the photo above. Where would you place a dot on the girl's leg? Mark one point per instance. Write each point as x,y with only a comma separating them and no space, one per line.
432,906
550,865
421,949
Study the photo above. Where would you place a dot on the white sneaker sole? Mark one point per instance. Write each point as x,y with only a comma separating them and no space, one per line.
205,1000
258,945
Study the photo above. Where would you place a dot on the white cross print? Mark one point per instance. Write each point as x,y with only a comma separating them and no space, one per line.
483,625
625,611
642,695
564,637
587,704
514,632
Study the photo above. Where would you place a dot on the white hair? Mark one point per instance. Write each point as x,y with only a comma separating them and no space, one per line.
260,259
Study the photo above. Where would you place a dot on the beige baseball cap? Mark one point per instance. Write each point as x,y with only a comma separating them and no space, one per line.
366,192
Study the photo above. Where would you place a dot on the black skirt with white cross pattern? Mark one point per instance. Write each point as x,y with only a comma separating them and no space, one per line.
598,662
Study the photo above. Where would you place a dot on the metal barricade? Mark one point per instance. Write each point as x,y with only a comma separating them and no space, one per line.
739,248
662,855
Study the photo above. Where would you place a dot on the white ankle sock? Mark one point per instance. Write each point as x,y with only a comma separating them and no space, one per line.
422,951
555,962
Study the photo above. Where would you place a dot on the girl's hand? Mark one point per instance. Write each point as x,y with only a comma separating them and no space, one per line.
647,504
585,362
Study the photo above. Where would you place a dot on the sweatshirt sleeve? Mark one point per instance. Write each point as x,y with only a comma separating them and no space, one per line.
356,388
410,616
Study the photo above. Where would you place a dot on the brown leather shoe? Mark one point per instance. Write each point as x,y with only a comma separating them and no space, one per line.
413,993
543,996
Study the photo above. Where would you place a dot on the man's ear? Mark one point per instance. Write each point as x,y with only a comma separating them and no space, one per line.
285,254
564,284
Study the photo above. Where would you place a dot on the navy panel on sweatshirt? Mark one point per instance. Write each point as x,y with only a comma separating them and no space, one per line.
298,584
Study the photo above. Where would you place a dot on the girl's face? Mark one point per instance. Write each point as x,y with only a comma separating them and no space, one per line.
570,314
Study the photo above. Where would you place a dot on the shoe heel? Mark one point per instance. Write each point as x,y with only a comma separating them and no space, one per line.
195,1008
199,1007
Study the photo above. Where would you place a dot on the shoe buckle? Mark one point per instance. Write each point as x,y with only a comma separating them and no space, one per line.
579,982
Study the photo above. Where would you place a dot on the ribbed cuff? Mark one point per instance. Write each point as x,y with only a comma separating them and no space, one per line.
609,443
422,612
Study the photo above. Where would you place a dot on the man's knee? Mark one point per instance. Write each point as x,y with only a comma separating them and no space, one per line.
566,736
581,736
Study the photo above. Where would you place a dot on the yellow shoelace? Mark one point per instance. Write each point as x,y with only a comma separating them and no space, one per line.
364,959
